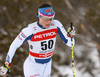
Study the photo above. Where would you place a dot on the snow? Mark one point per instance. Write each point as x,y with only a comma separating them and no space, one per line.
68,72
78,49
81,67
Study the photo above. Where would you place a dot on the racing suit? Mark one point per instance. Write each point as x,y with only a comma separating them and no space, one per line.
41,47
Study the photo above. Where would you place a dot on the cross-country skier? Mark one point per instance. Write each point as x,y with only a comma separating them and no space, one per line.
41,37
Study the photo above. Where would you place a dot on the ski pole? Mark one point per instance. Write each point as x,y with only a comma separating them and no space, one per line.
72,51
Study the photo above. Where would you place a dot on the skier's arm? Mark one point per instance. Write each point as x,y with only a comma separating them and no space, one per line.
63,34
19,40
15,44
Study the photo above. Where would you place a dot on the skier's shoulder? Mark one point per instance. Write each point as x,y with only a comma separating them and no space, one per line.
57,23
28,30
32,24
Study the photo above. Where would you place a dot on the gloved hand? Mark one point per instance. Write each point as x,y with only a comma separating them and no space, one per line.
5,69
71,32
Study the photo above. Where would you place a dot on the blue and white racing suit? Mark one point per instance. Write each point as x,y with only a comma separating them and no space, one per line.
41,47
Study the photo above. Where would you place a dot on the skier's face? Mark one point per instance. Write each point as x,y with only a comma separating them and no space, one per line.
45,23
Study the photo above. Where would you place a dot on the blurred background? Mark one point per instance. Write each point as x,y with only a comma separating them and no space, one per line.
85,15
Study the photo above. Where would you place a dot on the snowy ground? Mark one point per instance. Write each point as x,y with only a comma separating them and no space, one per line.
81,67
